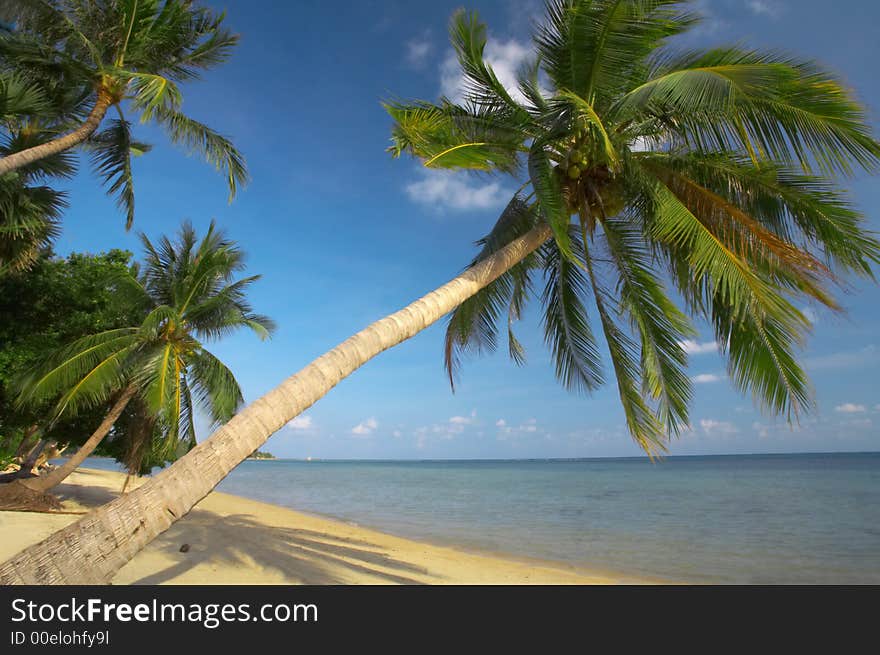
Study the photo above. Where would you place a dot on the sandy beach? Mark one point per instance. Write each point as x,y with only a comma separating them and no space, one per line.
235,540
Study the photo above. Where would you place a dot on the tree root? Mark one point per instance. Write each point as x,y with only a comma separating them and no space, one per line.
16,496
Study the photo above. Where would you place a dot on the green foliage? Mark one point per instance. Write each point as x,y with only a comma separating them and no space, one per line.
58,58
30,211
186,294
709,175
55,302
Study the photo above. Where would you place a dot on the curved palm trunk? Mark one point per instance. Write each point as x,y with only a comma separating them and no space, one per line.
53,147
31,460
91,550
56,476
27,441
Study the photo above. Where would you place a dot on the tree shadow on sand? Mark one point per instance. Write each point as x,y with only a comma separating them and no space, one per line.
301,556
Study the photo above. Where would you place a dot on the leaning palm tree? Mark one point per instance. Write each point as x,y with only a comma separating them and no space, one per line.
189,294
90,56
707,171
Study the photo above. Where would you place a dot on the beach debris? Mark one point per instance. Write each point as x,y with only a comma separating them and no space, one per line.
184,548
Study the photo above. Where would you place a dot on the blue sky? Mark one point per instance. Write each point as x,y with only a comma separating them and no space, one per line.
344,235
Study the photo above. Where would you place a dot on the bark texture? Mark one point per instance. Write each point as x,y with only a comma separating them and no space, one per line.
94,548
66,142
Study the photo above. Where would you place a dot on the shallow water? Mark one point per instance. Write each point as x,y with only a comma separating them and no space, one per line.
723,519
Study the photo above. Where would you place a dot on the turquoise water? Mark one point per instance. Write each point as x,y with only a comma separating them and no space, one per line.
731,519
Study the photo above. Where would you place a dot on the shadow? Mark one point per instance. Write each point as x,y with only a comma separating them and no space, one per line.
302,556
89,496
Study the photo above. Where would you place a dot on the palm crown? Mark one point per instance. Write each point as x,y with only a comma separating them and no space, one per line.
79,57
189,295
710,172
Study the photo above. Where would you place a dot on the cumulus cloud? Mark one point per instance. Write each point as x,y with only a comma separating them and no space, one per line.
761,429
505,58
301,423
697,347
365,428
705,378
713,428
850,408
417,50
456,190
506,431
763,8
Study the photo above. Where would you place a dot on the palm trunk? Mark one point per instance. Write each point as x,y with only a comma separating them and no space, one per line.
94,548
27,441
55,477
31,460
66,142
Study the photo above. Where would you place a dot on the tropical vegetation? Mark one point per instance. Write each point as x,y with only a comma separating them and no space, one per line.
188,294
55,302
64,64
659,186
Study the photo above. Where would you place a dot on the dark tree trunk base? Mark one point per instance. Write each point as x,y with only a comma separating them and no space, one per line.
16,496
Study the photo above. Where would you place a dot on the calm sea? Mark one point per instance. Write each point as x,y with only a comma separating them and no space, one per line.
728,519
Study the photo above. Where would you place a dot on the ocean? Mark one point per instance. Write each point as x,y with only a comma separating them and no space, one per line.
756,519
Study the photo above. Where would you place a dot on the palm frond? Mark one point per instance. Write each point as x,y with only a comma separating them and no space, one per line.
644,425
473,325
447,136
567,329
775,107
215,148
83,374
659,324
215,387
548,193
482,87
112,149
732,289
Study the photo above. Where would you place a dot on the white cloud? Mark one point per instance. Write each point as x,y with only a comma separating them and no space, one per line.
762,430
365,428
461,420
705,378
860,423
763,8
713,428
397,433
456,190
850,408
506,431
698,348
505,58
417,50
301,423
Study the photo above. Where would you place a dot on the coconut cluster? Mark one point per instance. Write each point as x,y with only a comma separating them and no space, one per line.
586,182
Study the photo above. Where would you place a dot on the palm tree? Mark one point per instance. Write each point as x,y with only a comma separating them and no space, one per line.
30,211
88,56
709,171
189,294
